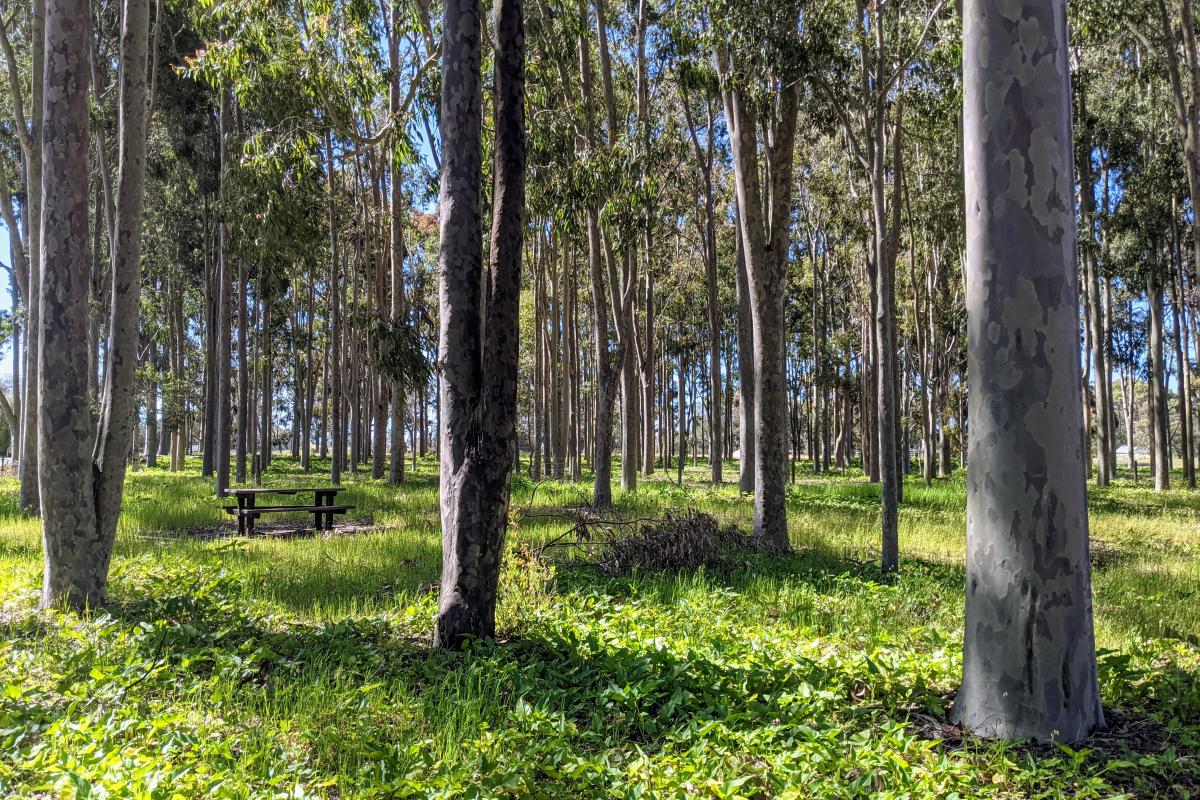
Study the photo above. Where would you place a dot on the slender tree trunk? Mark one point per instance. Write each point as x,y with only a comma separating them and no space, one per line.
396,252
337,431
224,437
151,448
479,376
1160,440
765,239
29,495
116,415
212,322
745,347
1029,661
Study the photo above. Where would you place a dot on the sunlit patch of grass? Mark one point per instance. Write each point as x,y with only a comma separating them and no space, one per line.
301,667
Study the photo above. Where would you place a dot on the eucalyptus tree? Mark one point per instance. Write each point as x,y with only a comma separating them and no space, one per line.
1029,660
762,91
698,85
478,341
882,42
25,237
307,84
82,467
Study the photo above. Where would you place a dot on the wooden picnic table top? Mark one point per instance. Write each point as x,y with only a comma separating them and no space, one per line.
285,490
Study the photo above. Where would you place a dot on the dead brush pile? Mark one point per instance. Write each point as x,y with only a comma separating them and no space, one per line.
678,541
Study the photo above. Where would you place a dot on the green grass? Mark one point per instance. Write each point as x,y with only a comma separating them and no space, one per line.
301,668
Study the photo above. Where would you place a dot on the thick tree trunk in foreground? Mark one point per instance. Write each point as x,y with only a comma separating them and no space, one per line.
66,433
83,470
479,333
1029,662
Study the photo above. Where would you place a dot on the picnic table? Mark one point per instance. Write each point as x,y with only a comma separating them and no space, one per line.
322,508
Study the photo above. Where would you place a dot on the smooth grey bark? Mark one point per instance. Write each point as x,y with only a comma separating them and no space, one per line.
396,250
245,371
1159,431
607,366
1106,470
622,284
479,336
707,226
1029,664
211,323
745,350
151,448
34,143
764,227
66,431
224,433
1183,367
649,392
334,315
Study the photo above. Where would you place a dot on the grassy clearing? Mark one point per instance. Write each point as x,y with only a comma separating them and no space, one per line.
300,667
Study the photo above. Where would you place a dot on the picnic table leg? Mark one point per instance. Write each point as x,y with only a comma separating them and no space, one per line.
326,499
241,518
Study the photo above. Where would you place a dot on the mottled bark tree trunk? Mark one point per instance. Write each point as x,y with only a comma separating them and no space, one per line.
479,339
74,554
764,228
1029,663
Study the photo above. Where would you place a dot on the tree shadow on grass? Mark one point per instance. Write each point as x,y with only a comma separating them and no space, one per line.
610,691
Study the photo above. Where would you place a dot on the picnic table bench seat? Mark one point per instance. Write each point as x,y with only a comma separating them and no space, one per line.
247,511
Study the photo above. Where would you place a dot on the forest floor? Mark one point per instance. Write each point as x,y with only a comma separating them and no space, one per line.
299,666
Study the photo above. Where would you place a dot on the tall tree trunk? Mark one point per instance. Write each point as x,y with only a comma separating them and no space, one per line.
224,437
765,239
211,336
1160,438
151,447
396,250
333,312
29,497
83,469
1029,661
745,350
1094,314
479,376
75,558
116,415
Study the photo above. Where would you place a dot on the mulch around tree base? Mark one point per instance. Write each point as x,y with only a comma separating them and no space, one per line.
1128,735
